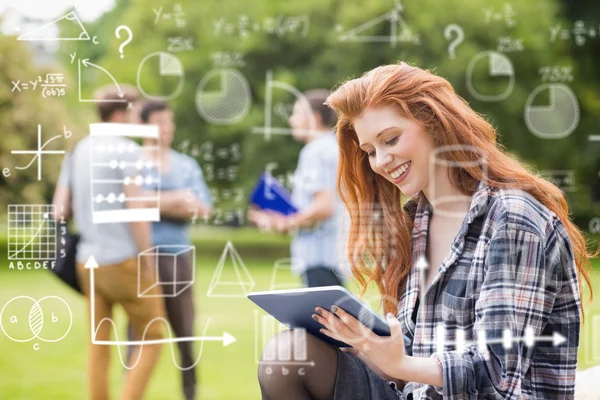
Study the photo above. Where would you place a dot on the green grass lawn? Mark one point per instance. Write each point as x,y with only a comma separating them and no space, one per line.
57,370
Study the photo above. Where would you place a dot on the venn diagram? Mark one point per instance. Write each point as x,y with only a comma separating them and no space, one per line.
48,319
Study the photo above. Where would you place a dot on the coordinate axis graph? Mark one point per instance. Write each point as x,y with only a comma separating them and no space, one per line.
226,338
87,64
39,152
31,232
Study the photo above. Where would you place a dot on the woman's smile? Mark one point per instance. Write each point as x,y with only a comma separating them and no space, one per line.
400,173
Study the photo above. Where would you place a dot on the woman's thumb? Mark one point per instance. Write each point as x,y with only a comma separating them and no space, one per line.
395,327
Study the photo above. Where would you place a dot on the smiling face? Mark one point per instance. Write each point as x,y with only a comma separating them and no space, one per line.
397,147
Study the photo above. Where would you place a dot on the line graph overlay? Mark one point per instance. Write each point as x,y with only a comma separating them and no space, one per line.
507,339
39,152
31,232
225,338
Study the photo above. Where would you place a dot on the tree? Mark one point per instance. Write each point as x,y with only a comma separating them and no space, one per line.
22,111
321,59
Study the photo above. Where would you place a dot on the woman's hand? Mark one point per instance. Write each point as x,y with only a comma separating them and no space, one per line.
385,354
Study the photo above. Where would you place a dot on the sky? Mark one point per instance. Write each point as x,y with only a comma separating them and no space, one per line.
48,10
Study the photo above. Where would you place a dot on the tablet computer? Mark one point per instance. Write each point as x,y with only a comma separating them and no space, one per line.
295,307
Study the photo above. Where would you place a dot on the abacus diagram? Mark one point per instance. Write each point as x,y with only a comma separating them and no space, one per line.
125,156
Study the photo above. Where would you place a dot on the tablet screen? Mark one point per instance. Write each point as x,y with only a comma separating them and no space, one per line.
294,309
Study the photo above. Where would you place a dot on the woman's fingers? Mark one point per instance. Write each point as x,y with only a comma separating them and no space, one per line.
338,325
334,326
328,320
357,327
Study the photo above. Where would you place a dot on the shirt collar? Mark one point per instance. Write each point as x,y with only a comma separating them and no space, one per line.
479,201
419,205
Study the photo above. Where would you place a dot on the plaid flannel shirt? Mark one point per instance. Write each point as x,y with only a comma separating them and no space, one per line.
511,270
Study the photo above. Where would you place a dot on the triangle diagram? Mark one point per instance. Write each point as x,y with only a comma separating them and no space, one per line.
50,30
368,31
231,277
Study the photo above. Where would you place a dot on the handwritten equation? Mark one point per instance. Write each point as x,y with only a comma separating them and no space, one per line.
281,26
179,43
175,14
509,44
556,73
221,217
507,15
564,179
228,59
52,85
580,32
207,152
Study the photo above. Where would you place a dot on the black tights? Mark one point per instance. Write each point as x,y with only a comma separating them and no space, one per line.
180,313
292,381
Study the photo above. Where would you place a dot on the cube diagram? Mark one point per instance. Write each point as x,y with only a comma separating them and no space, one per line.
174,267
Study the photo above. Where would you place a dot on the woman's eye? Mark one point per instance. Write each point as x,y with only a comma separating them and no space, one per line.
371,154
392,141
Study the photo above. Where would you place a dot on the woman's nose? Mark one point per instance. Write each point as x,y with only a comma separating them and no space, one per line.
383,159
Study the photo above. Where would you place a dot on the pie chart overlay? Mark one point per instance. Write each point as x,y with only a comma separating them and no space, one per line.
160,76
558,117
494,72
223,96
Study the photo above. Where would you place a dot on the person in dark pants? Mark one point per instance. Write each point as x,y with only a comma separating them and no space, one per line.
183,196
317,239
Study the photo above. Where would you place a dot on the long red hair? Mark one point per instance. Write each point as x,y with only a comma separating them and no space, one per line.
381,250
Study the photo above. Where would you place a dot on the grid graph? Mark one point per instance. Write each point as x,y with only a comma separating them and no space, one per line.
31,232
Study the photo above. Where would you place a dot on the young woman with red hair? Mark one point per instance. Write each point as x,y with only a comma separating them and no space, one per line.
477,261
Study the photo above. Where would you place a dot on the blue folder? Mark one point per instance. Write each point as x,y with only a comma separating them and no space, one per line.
270,194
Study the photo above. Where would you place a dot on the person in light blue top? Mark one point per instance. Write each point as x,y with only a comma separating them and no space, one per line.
318,239
181,183
184,196
182,186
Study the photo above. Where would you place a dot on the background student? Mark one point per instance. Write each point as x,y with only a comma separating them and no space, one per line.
114,246
183,196
317,242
